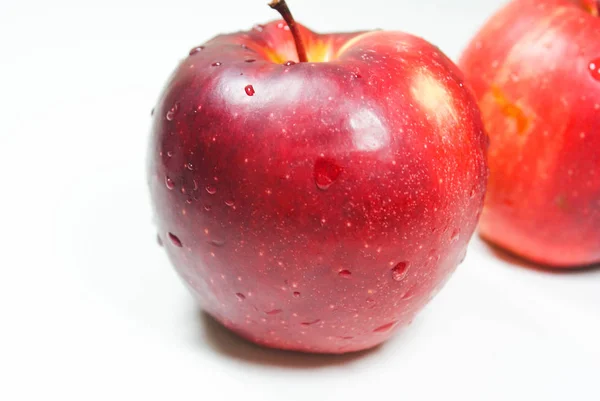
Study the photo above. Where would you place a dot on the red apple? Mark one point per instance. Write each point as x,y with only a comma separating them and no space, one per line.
316,206
535,70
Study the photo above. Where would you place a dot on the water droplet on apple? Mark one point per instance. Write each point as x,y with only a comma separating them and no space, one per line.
196,50
594,67
170,154
230,203
296,294
399,271
455,235
207,207
408,294
172,112
217,242
326,172
175,240
169,183
385,327
240,296
274,312
311,322
211,189
462,257
189,166
249,90
345,273
289,63
258,27
216,64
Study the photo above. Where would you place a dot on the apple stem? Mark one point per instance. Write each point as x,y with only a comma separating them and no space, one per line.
282,8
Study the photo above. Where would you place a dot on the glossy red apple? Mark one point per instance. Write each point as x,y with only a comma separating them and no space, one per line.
535,70
316,206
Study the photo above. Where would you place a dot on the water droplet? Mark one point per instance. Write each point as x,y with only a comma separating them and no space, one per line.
371,303
240,296
311,322
189,166
472,194
211,189
385,327
399,271
408,294
170,154
249,90
326,172
274,312
356,75
455,235
216,64
345,273
289,63
296,294
258,27
250,60
169,183
176,241
207,207
172,112
196,50
217,242
230,203
594,67
462,256
159,240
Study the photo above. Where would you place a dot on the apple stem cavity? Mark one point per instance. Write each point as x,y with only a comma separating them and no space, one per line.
282,8
592,7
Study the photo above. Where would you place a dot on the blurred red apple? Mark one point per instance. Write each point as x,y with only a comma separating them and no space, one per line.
535,70
316,206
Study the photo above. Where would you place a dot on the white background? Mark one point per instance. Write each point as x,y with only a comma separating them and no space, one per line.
90,308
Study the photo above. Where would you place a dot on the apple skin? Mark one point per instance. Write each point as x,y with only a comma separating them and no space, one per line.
321,208
531,70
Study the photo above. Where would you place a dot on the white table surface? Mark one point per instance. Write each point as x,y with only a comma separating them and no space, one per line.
90,308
